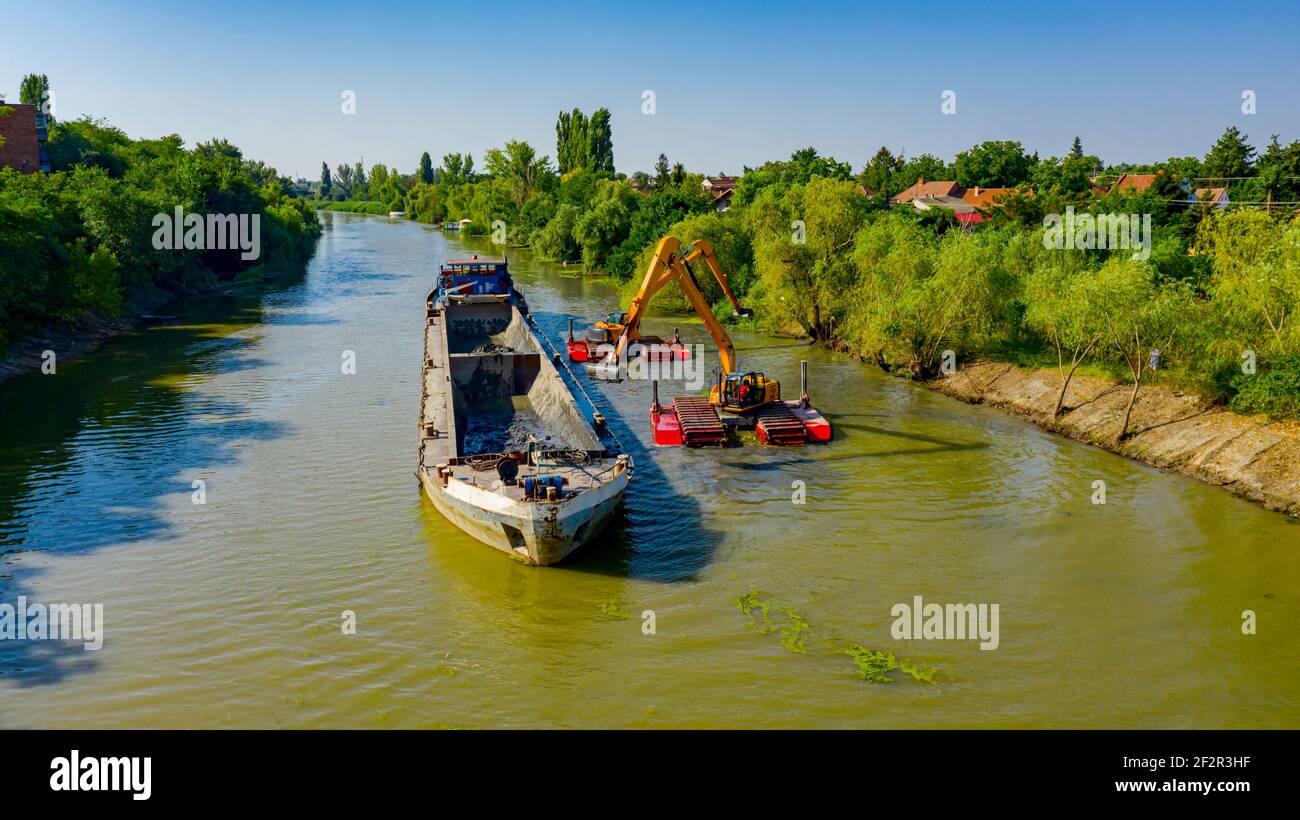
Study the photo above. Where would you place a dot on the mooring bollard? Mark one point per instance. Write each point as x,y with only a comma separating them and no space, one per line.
803,382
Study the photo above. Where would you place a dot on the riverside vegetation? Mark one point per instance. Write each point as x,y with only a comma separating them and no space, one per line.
78,241
816,248
809,243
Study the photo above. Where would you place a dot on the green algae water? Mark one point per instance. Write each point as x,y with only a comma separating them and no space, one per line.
230,613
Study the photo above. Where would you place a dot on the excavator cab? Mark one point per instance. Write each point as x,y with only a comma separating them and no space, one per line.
741,392
607,330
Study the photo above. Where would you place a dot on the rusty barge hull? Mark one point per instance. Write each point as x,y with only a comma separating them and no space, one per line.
507,453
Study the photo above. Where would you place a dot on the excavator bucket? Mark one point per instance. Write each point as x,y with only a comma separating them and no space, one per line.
606,370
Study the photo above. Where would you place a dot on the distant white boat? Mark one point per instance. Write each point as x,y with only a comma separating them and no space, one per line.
397,214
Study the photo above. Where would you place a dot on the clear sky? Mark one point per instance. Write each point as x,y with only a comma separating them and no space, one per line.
735,83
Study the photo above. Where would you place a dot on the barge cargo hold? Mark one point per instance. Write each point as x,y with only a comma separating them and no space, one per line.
508,453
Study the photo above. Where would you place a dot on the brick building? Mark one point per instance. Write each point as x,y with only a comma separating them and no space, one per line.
24,132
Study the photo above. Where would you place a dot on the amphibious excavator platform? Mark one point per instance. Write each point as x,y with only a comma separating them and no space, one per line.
737,399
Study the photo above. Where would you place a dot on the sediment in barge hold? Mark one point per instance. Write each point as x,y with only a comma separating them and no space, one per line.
508,453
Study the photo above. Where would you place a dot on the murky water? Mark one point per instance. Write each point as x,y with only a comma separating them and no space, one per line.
228,614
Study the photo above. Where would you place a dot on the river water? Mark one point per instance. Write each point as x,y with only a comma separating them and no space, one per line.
229,613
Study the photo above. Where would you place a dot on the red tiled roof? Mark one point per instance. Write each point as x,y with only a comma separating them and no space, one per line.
923,188
985,198
1137,183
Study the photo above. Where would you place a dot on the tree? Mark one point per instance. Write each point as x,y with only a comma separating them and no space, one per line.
344,179
1255,280
1076,150
426,168
605,224
1278,171
663,172
808,270
1072,175
926,166
653,217
879,173
325,182
457,169
1231,156
600,147
1139,317
804,165
573,142
1059,309
520,167
556,241
35,91
994,164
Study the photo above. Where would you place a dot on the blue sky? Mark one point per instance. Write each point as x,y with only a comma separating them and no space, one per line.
735,83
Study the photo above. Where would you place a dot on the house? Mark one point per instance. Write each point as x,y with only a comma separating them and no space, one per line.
964,212
985,198
1127,183
863,190
722,200
721,188
1216,196
927,189
24,132
718,184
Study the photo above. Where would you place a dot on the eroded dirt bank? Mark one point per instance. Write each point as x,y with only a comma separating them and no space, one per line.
72,340
1248,455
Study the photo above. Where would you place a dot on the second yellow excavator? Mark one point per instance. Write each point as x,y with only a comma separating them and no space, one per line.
735,392
692,420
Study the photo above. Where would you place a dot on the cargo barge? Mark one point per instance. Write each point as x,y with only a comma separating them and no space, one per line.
508,452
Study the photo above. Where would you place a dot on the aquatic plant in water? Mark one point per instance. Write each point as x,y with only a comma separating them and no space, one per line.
615,608
874,665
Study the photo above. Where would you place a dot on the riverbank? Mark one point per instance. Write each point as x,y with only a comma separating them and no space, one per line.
72,340
1250,456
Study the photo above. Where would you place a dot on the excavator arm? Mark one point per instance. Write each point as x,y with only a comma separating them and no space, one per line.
700,248
668,265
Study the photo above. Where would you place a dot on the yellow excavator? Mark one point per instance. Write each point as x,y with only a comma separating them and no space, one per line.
734,391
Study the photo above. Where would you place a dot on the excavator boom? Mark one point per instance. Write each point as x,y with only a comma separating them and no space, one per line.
668,265
747,400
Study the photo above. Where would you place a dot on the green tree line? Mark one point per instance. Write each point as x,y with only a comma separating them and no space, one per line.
81,238
817,250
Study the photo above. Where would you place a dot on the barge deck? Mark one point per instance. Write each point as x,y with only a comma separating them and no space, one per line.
507,452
